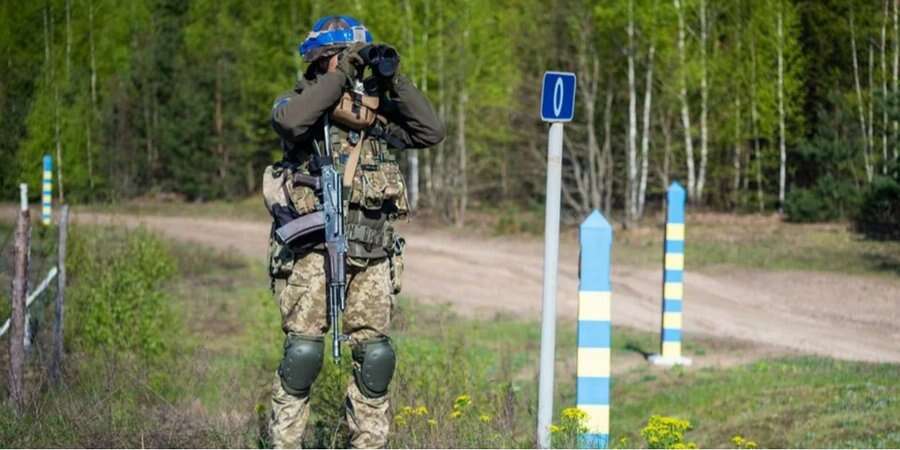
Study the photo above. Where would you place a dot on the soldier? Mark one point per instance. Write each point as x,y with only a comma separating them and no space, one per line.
367,119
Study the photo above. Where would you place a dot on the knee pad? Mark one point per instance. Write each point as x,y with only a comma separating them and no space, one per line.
374,368
301,363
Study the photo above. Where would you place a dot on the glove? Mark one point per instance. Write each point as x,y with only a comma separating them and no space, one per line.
349,60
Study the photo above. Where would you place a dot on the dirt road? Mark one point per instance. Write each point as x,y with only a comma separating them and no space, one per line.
843,316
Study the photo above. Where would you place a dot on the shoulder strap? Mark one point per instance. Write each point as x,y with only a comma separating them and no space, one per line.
353,161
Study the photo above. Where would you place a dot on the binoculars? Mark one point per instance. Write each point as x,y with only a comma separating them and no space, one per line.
383,59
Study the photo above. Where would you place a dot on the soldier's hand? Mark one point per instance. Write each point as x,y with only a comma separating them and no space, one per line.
349,62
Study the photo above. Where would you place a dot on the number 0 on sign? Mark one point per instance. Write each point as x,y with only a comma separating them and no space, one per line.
558,97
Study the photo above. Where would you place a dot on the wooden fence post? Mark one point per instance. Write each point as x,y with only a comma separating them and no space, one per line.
57,355
19,292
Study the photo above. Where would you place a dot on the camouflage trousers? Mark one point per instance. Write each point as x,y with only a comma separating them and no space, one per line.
367,315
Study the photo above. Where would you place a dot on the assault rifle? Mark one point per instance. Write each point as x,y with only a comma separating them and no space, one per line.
331,220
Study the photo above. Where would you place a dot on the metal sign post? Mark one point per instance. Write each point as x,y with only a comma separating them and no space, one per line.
557,106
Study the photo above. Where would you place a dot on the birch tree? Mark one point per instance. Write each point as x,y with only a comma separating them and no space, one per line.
863,125
631,183
704,101
685,108
782,151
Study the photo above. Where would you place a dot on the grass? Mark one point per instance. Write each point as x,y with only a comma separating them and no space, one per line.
804,402
248,208
764,243
460,382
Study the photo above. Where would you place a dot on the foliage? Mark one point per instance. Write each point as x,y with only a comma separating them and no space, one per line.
879,215
169,96
829,199
666,432
230,331
115,301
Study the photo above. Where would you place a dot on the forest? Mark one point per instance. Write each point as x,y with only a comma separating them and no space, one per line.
753,105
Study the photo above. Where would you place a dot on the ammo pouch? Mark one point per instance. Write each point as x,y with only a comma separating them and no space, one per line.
282,191
355,111
378,183
275,192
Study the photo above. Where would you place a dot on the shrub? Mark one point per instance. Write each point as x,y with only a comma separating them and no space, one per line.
879,215
115,302
828,199
804,205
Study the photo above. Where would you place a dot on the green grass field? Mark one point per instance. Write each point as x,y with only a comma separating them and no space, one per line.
765,243
210,385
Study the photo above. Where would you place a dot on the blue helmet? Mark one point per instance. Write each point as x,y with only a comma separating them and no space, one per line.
332,33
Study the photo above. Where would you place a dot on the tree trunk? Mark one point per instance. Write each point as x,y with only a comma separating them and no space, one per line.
436,179
56,120
412,155
93,115
782,169
667,149
605,167
68,39
859,100
896,75
645,138
685,109
608,179
738,154
736,186
884,92
704,94
17,320
46,38
871,106
588,67
220,126
461,153
631,184
754,115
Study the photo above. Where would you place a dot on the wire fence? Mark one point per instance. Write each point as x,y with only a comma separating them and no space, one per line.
42,258
42,332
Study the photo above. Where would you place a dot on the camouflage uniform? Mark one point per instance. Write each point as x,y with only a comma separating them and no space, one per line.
368,315
408,121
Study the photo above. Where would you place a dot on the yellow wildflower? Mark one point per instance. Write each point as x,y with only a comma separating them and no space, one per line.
556,429
406,411
741,442
486,418
399,420
574,414
420,411
455,414
462,401
432,422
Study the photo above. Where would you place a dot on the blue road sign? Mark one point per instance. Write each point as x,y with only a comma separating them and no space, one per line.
558,97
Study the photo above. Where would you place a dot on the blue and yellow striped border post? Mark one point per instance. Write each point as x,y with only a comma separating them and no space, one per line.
47,191
673,280
594,330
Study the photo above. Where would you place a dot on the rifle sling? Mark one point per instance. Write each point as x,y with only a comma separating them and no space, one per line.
353,161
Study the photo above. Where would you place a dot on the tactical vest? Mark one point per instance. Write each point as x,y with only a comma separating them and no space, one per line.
377,194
